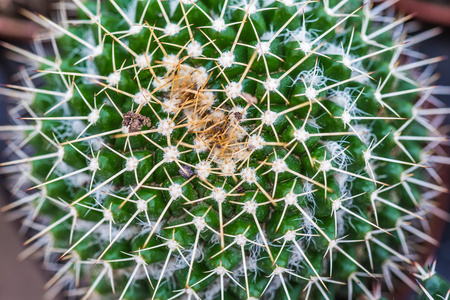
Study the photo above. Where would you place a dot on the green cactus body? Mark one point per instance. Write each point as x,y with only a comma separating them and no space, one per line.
230,150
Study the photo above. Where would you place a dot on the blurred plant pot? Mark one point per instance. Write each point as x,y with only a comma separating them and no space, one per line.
433,11
13,25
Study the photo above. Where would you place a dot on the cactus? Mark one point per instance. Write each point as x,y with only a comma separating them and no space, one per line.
434,286
227,149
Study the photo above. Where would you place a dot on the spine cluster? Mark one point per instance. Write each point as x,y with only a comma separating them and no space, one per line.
227,150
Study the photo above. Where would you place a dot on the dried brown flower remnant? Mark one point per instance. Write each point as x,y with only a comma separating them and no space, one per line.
238,116
134,121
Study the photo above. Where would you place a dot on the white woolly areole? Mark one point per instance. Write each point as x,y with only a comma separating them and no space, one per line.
263,48
200,76
190,292
113,78
271,84
143,60
378,96
141,205
289,236
194,49
220,270
403,177
305,47
170,61
175,191
238,131
199,223
209,96
278,271
203,169
171,154
135,29
73,211
248,175
139,260
367,155
290,198
161,84
233,90
60,153
374,195
142,96
311,93
172,29
93,164
250,8
336,205
125,129
269,117
219,195
346,60
238,109
107,215
131,164
200,145
97,50
171,105
218,25
93,116
279,166
346,117
228,168
255,142
288,2
325,165
301,135
172,244
240,239
226,59
165,126
250,207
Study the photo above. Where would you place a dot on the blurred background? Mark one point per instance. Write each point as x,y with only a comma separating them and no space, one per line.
25,280
22,280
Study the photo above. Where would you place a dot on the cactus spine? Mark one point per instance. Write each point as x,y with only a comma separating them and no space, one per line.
228,149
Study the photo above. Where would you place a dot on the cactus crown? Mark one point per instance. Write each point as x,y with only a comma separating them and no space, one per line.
229,149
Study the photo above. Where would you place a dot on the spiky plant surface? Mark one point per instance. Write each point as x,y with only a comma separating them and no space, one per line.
227,150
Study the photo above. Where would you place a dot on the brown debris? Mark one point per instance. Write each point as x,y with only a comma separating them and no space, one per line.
186,172
238,116
134,121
